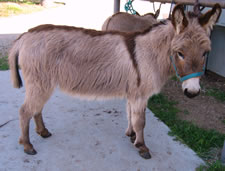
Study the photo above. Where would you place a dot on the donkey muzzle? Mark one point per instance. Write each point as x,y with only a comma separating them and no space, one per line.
191,87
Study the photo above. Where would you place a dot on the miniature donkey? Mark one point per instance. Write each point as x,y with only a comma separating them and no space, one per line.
100,64
129,23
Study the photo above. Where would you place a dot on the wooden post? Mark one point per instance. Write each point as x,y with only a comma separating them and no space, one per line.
116,6
207,3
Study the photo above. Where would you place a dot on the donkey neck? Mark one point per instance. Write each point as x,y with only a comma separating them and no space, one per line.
156,43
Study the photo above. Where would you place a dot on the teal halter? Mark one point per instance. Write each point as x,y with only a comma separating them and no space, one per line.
186,77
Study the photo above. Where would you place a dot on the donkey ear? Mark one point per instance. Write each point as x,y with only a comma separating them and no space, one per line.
179,19
157,14
210,18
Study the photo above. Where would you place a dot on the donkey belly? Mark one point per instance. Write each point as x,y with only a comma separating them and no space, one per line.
94,84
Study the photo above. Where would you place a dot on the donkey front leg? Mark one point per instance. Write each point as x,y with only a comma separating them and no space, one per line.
130,132
138,108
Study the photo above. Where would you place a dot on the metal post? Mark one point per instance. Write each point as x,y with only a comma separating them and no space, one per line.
116,6
223,154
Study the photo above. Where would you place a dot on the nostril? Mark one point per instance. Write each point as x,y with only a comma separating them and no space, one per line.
190,94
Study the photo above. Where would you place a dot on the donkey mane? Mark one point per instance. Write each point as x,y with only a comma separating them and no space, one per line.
91,32
192,14
147,30
149,14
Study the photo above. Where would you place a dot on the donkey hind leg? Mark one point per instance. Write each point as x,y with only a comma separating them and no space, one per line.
24,125
34,102
130,132
138,123
40,126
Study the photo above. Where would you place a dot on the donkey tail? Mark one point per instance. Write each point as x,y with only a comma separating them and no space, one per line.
14,65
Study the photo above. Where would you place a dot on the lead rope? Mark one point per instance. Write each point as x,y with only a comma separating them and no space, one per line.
129,7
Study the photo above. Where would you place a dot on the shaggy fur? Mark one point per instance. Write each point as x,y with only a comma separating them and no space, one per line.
96,64
129,23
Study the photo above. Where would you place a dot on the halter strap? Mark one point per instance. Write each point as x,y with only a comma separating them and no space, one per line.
186,77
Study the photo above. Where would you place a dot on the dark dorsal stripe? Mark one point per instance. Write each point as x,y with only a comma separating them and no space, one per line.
130,42
131,45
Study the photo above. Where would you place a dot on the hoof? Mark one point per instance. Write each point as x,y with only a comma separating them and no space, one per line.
145,154
45,133
30,152
133,138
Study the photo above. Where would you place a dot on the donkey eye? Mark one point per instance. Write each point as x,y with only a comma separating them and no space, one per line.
180,55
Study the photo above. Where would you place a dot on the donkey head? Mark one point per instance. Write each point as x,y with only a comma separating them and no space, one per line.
191,44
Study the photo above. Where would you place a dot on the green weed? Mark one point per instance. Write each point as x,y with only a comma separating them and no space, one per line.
200,140
4,63
216,166
218,94
186,112
13,9
10,9
174,78
223,121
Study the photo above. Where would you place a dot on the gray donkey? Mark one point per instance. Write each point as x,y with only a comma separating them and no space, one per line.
98,64
122,21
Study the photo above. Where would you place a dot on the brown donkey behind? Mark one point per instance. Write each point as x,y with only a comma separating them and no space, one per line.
125,22
97,64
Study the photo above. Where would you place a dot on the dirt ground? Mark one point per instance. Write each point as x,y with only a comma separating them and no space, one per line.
205,111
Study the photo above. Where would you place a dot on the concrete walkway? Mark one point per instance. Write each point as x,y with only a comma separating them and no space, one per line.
87,136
